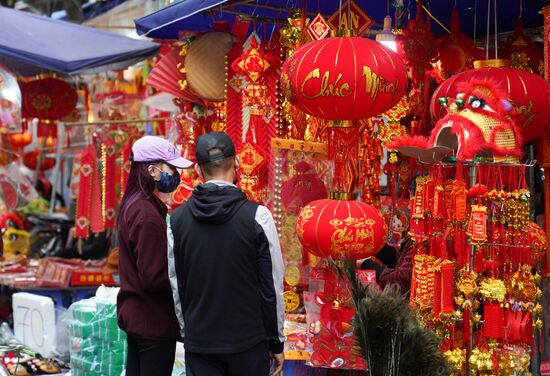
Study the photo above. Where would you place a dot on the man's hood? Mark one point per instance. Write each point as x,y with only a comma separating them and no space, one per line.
216,204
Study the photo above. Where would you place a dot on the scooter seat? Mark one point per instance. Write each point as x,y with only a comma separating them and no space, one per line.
57,218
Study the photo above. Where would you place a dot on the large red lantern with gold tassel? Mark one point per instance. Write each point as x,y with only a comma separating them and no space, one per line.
528,94
344,78
47,99
341,229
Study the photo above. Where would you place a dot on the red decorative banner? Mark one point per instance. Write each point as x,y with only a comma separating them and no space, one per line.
84,191
359,20
251,110
478,223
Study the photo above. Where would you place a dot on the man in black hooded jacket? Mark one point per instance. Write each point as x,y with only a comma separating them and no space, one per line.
226,270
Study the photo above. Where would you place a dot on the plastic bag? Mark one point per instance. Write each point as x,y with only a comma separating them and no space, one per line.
62,333
97,345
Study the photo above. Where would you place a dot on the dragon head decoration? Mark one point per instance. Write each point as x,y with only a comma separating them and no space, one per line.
479,122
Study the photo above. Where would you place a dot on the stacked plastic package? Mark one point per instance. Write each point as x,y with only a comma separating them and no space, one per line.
98,347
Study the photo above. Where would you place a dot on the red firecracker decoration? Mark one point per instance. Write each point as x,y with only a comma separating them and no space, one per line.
341,229
252,74
528,94
47,99
347,78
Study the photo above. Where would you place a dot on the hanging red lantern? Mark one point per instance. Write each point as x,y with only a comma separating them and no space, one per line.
47,99
528,94
30,160
344,78
333,228
19,140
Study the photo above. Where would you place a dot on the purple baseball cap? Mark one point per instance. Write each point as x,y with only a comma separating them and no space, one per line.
153,149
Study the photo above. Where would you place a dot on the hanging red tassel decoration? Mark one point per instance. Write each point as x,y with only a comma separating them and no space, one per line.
493,319
437,293
86,171
447,286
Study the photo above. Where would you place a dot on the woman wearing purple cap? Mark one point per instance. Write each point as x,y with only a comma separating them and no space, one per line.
145,308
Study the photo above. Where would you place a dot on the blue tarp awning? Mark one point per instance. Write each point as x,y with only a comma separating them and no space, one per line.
189,15
31,44
198,15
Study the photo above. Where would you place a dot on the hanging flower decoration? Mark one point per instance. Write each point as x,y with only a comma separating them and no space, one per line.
418,47
458,52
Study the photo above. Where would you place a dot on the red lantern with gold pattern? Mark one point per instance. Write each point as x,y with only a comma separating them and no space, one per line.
341,229
345,78
47,99
528,94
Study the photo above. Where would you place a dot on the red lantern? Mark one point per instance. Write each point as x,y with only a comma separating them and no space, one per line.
332,228
347,78
47,99
528,94
19,140
30,160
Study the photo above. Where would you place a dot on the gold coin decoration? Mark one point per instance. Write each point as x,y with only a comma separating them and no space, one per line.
292,301
292,275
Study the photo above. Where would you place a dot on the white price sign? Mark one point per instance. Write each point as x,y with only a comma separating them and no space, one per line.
34,321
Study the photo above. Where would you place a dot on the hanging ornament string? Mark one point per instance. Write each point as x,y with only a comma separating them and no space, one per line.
108,156
125,165
96,217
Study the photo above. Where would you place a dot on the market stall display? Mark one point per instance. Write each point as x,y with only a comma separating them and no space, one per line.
334,136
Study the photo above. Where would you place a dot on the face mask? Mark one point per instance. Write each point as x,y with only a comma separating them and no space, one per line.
168,183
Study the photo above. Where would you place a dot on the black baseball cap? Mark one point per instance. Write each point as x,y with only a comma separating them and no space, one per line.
214,140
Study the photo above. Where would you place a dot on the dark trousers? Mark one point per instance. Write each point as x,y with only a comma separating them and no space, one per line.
252,362
149,357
